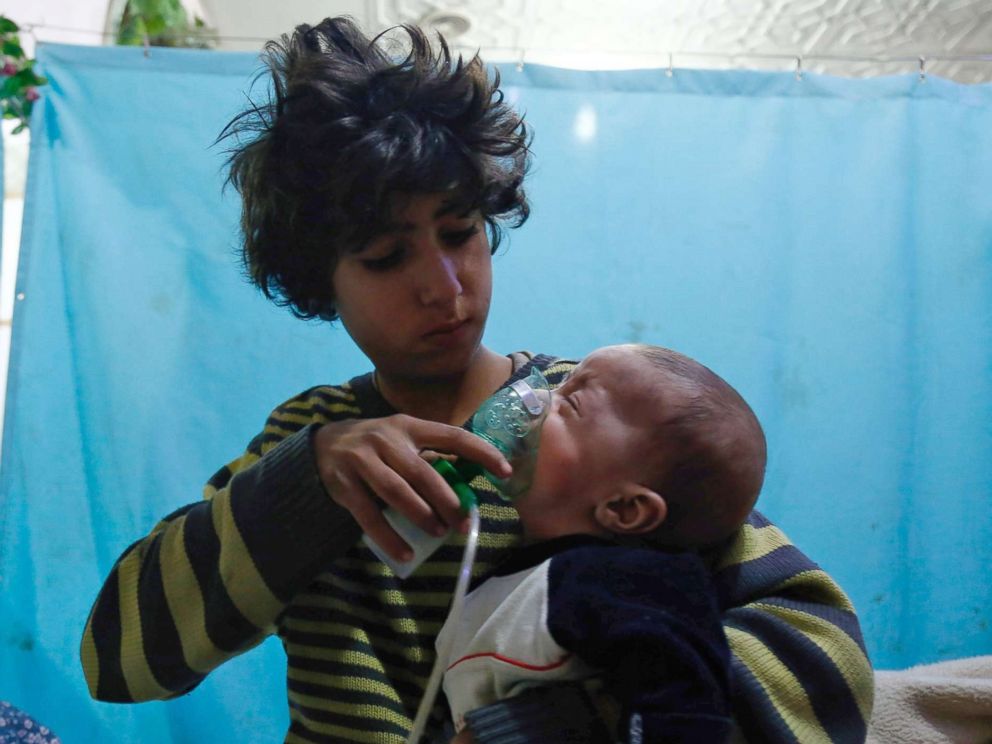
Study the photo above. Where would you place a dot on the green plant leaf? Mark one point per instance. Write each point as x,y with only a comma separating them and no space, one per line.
15,88
12,49
155,25
13,108
25,77
10,87
162,23
137,31
31,80
165,22
139,7
127,34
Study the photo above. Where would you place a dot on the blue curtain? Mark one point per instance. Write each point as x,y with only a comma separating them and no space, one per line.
824,244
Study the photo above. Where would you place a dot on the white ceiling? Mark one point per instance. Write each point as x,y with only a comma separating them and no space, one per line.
761,34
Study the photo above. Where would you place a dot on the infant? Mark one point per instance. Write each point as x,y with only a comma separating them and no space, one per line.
645,458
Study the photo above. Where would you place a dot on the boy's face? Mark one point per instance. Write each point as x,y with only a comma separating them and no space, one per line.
597,433
416,298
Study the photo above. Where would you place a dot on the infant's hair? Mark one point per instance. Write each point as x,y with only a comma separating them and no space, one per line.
351,127
715,454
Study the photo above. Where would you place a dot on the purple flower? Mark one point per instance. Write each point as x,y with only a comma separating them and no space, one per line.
31,94
9,69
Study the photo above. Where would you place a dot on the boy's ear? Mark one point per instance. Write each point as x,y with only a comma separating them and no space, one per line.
633,510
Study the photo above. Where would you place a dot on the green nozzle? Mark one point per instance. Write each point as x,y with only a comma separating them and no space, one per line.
459,480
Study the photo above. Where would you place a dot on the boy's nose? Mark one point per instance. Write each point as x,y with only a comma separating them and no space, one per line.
439,282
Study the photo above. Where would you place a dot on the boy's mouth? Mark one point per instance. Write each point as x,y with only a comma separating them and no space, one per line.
449,327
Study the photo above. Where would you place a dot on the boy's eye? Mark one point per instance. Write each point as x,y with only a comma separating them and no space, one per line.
382,263
460,237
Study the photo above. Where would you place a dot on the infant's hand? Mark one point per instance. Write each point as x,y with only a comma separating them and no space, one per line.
463,737
366,463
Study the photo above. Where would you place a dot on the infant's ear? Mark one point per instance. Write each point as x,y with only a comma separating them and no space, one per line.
633,510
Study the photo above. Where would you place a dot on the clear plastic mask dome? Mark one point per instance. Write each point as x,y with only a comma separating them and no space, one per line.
511,420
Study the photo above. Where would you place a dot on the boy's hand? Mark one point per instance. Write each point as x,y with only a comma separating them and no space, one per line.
367,463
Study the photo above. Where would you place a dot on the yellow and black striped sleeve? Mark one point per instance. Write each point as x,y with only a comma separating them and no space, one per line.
801,672
211,579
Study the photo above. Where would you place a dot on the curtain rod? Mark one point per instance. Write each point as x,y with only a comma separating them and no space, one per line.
520,52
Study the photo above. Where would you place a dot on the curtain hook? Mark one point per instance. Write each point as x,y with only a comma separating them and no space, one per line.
520,60
669,72
923,69
799,67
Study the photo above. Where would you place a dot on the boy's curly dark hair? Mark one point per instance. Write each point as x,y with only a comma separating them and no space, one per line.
348,129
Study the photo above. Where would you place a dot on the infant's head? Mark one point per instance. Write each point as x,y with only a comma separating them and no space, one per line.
644,441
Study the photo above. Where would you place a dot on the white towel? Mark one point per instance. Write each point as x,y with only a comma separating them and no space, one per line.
945,703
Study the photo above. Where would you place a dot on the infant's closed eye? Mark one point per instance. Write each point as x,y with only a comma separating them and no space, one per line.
572,402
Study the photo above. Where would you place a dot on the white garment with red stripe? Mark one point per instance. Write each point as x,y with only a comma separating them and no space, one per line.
502,644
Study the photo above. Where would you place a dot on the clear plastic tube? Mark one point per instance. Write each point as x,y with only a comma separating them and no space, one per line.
457,601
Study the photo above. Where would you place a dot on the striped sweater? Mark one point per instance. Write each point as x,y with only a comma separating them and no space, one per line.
267,551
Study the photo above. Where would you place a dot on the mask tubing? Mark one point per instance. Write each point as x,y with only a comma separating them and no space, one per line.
441,662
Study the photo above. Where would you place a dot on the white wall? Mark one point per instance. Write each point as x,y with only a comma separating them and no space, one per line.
61,21
15,169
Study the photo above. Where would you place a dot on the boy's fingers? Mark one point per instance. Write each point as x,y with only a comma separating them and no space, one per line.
364,509
427,482
462,443
375,526
383,475
431,456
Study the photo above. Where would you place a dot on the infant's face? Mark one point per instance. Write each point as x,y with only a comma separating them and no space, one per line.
598,431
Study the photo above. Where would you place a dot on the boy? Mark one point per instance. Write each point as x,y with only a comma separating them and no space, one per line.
374,191
645,456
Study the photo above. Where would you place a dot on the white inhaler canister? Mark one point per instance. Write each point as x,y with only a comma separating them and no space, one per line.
423,544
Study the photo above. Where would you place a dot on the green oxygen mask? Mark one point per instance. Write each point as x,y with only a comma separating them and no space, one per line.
511,421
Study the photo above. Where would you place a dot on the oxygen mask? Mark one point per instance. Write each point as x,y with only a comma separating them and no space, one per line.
511,421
